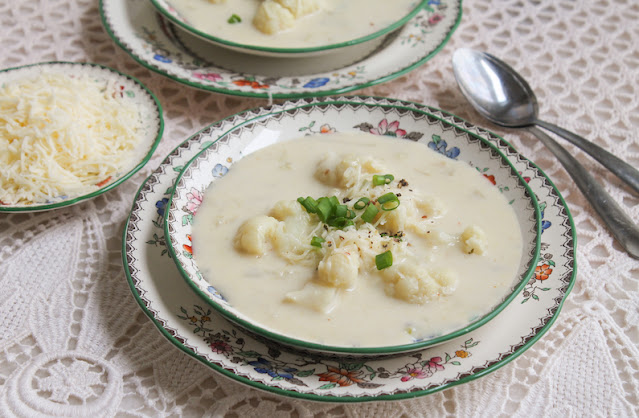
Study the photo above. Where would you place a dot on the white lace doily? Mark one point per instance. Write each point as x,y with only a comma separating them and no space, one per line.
74,342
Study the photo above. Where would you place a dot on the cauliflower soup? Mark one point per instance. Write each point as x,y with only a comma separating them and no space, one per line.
351,239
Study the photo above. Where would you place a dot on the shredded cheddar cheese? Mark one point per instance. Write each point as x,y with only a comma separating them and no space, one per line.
63,135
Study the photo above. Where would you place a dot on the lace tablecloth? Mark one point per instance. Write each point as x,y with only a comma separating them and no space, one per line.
582,59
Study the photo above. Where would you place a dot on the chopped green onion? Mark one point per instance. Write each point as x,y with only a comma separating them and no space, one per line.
340,223
361,203
380,180
370,213
340,211
309,204
351,214
324,208
384,260
334,200
389,201
317,242
234,19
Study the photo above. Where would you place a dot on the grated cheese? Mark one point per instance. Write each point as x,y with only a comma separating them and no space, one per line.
63,136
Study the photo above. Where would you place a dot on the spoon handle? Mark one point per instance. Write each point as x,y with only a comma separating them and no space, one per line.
620,168
619,224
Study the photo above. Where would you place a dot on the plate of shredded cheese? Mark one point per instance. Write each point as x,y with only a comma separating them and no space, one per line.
70,132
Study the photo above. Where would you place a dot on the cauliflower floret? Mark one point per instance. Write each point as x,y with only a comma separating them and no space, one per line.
416,284
415,214
296,225
347,172
396,220
473,240
254,235
340,267
430,207
300,8
272,17
320,298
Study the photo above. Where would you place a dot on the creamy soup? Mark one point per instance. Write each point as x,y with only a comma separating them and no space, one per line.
452,228
335,22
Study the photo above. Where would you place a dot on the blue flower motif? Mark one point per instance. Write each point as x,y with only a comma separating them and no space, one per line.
317,82
213,291
265,367
219,170
161,205
162,58
544,224
434,2
440,145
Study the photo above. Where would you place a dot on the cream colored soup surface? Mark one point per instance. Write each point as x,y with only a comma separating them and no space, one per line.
363,313
338,21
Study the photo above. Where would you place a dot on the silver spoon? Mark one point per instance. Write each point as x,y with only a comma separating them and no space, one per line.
502,96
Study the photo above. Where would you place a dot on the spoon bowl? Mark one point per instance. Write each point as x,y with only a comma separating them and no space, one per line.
495,89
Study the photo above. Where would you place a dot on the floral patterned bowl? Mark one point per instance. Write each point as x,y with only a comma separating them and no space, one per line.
343,114
351,50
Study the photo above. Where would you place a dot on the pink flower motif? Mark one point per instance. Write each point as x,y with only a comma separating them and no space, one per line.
433,363
221,347
208,76
195,200
416,374
435,19
392,129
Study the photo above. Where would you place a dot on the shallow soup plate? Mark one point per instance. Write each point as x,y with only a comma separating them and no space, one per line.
390,122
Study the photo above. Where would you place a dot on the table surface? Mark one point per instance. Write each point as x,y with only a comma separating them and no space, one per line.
581,58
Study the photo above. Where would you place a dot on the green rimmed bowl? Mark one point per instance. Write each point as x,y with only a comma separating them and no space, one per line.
343,115
131,91
355,48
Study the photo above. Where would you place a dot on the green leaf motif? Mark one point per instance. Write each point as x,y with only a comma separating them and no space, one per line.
305,373
328,386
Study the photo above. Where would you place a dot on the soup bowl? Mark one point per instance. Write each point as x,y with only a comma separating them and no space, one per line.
342,49
347,114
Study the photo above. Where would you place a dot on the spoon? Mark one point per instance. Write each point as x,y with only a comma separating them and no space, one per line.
502,96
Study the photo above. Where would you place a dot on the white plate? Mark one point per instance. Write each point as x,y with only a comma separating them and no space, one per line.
148,106
194,327
399,124
155,43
